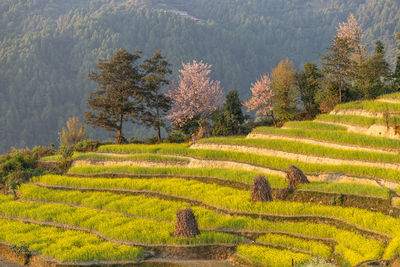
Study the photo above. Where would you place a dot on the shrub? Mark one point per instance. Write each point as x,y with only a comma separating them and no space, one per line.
66,152
73,134
176,137
87,146
152,140
136,140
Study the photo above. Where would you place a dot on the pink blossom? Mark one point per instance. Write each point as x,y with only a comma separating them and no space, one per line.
196,95
262,96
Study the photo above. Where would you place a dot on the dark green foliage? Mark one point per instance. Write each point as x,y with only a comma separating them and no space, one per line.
87,146
176,137
155,70
16,168
66,152
370,80
229,119
309,83
120,94
337,69
396,74
152,140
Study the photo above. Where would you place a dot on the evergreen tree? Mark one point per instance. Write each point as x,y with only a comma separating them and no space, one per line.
228,120
337,67
157,103
396,74
283,86
120,94
308,83
372,74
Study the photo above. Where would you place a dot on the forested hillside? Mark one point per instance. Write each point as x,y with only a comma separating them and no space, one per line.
48,47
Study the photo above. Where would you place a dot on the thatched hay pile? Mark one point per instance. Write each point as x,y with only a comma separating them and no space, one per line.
261,190
186,225
296,177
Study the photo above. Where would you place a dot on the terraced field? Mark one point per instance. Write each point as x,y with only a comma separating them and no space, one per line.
118,205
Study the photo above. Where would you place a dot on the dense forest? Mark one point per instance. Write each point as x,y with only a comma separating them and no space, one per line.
48,47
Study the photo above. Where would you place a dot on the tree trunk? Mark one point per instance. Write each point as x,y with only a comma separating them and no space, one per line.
158,125
120,138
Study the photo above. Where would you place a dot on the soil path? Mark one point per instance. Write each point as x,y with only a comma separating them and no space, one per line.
389,100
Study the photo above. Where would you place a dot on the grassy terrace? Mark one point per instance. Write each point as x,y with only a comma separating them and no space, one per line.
312,125
64,245
134,157
231,175
254,159
395,96
111,225
351,119
347,242
304,148
335,137
231,199
262,256
316,248
225,174
370,105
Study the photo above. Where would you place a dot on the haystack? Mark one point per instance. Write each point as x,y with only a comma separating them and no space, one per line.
296,177
261,190
186,225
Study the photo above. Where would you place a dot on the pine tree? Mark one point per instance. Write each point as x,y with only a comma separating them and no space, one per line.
120,94
308,82
228,120
337,66
372,74
396,74
157,103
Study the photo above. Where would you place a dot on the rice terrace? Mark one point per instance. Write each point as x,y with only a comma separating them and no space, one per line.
121,203
199,133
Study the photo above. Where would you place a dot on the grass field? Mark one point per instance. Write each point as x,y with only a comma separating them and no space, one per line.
335,137
304,148
64,245
258,160
165,210
233,199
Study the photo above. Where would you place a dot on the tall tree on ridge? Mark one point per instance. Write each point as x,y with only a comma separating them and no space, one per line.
309,83
283,85
120,94
396,74
157,103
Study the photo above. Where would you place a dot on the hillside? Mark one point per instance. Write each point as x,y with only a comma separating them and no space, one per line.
47,48
118,205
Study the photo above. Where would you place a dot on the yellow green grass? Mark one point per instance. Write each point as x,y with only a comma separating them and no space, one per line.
64,245
263,256
313,125
334,136
315,248
304,148
369,105
134,157
111,225
258,160
207,219
231,175
228,174
233,199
